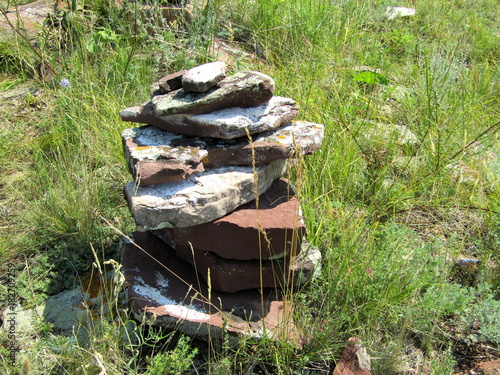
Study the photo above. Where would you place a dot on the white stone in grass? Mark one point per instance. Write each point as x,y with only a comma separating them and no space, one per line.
395,12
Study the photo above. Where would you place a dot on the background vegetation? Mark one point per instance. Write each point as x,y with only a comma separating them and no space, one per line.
391,213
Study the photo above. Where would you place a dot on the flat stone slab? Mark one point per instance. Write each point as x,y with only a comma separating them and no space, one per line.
378,136
227,123
272,231
230,275
203,77
243,89
169,83
489,368
155,156
168,293
201,198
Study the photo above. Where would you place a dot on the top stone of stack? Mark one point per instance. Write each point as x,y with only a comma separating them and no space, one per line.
203,77
206,88
203,102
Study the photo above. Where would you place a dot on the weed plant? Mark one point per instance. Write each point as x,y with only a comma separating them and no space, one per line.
390,214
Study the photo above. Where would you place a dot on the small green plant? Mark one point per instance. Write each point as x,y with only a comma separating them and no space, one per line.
174,361
484,321
100,39
371,78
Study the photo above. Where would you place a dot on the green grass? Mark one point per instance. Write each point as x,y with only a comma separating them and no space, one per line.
389,217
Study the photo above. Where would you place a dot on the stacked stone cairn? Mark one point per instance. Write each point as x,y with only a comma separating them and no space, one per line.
220,234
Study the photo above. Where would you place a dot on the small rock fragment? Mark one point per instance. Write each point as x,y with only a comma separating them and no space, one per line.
395,12
354,359
489,368
203,77
170,82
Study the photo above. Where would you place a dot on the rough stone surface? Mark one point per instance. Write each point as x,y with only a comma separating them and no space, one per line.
489,368
285,142
168,292
203,77
155,156
354,359
169,83
229,275
243,89
201,198
307,265
300,136
31,16
231,53
226,123
242,233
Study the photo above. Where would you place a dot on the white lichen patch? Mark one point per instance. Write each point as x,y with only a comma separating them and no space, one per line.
160,143
257,119
160,280
159,297
131,133
146,153
307,136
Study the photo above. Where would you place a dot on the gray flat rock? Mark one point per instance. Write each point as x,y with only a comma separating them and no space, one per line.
243,89
203,77
156,156
380,136
201,198
396,12
227,123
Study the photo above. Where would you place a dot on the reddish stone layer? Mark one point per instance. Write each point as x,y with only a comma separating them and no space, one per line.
274,229
167,290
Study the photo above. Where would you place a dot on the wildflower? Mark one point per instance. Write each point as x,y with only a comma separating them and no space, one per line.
65,83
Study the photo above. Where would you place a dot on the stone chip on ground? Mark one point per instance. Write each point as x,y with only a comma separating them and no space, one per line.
489,367
226,123
243,89
397,12
240,234
170,295
203,77
354,359
201,198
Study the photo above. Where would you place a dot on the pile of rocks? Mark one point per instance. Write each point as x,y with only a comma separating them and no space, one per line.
220,230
